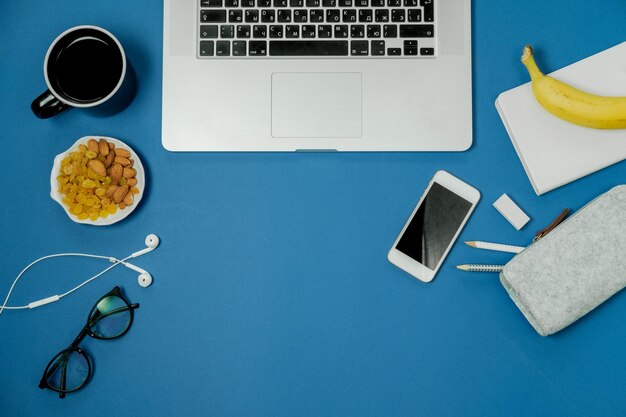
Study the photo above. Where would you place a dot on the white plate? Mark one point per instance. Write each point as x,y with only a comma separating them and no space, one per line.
112,218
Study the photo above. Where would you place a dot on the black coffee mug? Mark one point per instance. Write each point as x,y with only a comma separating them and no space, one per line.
85,67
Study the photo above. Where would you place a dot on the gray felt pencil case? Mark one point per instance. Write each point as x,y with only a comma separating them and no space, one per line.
573,269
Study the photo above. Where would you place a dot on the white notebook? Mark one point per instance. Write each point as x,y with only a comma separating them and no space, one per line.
555,152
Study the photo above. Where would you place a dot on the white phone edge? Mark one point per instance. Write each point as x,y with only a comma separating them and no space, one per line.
410,265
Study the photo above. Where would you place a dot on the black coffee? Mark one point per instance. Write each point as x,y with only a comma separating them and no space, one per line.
85,66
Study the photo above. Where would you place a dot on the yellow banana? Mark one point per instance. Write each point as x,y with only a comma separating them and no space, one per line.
571,104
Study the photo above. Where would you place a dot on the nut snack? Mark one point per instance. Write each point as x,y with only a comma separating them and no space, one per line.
97,179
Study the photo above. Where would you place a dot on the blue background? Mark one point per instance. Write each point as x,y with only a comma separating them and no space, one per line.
272,293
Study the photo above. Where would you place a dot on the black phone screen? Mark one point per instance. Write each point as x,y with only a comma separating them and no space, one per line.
434,225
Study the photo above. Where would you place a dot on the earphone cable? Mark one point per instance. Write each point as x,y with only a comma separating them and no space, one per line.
56,255
115,261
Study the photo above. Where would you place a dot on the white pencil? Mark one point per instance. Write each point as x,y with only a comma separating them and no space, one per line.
480,268
496,247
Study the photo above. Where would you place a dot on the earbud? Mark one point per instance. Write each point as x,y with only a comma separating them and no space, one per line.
144,279
152,241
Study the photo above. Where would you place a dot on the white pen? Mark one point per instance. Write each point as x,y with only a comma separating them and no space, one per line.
495,246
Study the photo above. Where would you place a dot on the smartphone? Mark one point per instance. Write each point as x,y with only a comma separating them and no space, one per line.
434,226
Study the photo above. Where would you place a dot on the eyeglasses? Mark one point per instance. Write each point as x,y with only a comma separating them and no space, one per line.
70,369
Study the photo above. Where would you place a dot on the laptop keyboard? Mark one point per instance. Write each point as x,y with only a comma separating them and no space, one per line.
316,28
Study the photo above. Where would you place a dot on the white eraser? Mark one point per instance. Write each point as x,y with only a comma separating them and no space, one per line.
511,211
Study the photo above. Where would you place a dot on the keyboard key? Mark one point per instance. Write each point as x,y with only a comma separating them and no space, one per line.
394,3
222,48
252,16
332,16
378,3
361,3
345,3
231,3
410,47
208,31
416,31
397,15
235,16
359,48
349,15
284,16
247,3
378,48
312,3
308,31
263,3
394,51
268,16
381,15
213,16
390,31
357,31
227,31
259,31
329,3
276,31
365,15
296,3
206,48
427,51
300,16
373,31
324,31
243,31
429,10
239,48
316,16
281,3
414,15
341,31
410,3
309,48
292,31
210,3
257,48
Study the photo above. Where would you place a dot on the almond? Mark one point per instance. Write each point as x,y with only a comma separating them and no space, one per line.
111,190
92,145
122,161
98,167
122,206
120,193
103,147
122,152
129,173
116,173
111,145
129,199
109,159
131,182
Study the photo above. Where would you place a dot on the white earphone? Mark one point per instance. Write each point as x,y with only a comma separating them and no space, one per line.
144,279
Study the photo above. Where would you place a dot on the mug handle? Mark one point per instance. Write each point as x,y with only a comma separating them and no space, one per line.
47,105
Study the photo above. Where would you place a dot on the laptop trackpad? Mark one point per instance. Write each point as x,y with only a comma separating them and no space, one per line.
316,105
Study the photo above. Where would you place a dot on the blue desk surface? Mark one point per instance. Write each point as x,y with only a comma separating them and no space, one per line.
273,295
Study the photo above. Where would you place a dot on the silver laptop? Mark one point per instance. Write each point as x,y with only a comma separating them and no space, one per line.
289,75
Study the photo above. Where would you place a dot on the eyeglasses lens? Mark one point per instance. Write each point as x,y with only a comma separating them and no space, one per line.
68,371
110,318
